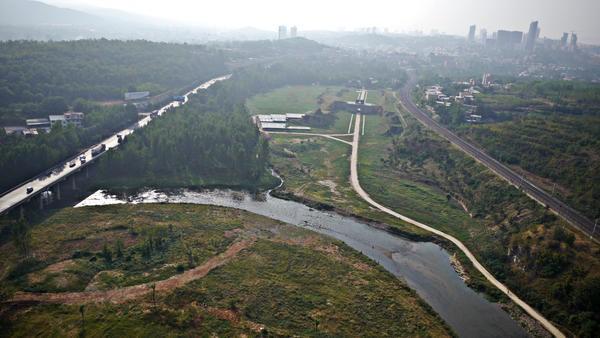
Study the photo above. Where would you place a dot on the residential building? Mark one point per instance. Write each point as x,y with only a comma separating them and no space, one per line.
282,32
573,45
471,36
532,36
564,41
486,81
57,119
483,36
74,118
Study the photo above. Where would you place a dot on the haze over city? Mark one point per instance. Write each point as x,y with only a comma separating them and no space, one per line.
451,17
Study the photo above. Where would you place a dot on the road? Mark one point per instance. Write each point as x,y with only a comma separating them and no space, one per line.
569,214
356,185
42,182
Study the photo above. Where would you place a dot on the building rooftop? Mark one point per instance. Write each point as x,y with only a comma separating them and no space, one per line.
56,118
37,122
294,116
269,125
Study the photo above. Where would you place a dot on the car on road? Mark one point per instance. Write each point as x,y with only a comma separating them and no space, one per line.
99,150
29,190
72,164
82,159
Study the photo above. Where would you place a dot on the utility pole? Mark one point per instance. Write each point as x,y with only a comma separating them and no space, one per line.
553,188
593,231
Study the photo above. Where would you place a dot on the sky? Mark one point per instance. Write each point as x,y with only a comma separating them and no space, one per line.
450,16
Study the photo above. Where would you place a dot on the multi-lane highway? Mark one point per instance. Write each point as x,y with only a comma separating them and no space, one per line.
42,182
569,214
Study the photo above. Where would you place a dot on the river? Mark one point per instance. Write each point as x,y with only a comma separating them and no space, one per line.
424,266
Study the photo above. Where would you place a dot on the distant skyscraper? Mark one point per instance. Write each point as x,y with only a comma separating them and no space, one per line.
472,33
483,35
564,41
282,32
531,36
573,45
293,32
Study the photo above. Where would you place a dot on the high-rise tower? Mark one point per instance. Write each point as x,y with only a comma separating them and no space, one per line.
531,36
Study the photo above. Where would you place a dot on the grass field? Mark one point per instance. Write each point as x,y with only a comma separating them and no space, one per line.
286,281
290,99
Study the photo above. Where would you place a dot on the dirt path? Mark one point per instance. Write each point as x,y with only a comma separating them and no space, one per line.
329,136
363,194
131,292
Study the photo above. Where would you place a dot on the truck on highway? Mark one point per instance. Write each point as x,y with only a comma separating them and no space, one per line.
82,159
99,150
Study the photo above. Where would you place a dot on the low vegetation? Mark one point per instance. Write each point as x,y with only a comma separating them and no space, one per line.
416,173
284,281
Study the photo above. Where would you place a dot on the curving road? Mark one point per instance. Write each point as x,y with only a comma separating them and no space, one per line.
560,208
356,185
42,182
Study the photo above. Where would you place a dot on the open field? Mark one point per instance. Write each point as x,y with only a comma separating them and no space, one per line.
290,99
215,271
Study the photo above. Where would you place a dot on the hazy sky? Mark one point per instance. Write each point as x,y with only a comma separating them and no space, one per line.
451,16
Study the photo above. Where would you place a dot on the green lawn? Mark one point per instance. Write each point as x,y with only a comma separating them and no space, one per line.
290,99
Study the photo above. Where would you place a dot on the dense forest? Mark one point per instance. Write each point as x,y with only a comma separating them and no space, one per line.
562,148
34,74
191,148
41,78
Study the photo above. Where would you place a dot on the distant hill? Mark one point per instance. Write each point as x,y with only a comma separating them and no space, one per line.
28,13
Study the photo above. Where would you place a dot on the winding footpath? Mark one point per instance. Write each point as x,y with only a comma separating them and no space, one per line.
356,185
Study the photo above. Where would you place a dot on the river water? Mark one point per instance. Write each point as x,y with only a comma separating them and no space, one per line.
424,266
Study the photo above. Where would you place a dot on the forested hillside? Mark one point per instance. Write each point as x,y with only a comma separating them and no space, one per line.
32,73
191,148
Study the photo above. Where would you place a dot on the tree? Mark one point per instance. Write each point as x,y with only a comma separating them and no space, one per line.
82,312
54,105
107,254
21,237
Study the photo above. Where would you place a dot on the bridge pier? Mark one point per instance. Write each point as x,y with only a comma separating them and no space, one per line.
73,183
41,202
87,172
58,191
21,212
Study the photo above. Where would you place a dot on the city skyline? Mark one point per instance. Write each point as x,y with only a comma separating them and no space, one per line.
400,16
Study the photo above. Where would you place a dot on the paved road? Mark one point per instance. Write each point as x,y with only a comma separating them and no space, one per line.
569,214
18,195
356,185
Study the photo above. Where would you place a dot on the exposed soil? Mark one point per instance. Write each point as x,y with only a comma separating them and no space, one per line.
125,294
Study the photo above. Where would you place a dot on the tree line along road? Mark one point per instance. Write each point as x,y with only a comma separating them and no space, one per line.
572,216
